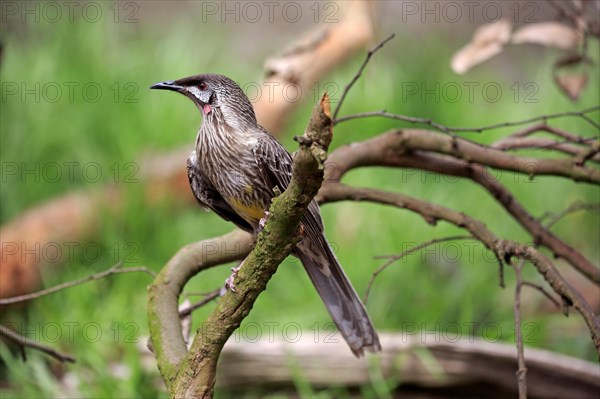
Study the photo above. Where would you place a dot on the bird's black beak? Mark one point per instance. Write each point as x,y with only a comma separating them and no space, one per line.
169,85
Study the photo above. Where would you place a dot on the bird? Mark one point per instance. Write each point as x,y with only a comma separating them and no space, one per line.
236,169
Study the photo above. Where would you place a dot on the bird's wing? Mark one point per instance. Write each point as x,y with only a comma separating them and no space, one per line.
275,164
209,198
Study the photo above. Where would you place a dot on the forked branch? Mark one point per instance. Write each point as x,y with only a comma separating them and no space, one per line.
504,249
392,150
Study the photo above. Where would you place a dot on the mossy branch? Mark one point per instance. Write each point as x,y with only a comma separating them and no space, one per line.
163,294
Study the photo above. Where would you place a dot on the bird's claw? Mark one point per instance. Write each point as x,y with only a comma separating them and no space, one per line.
262,222
229,282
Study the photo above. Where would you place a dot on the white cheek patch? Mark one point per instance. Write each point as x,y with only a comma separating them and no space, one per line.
196,92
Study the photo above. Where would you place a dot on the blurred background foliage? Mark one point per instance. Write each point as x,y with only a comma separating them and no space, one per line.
454,285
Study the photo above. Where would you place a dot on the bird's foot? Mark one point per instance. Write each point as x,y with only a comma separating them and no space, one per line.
262,222
229,283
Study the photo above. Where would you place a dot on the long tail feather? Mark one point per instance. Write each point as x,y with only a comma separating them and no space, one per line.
336,291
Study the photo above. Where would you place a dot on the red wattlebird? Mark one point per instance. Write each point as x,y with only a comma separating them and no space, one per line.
234,170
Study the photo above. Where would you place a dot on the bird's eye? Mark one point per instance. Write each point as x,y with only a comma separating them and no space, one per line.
202,86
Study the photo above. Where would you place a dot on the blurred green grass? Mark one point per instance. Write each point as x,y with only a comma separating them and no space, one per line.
427,291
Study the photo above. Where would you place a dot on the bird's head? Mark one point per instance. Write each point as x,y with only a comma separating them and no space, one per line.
215,94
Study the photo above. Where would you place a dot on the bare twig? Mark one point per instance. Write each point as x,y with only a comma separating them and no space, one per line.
188,294
394,258
478,153
115,269
136,269
384,114
390,150
522,370
544,127
543,291
542,143
359,73
26,342
503,248
574,207
208,298
500,272
588,154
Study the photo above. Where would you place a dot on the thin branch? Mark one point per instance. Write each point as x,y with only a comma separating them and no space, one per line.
543,127
500,271
543,291
208,298
26,342
359,73
590,121
390,150
586,141
394,258
188,294
136,269
485,155
542,143
541,234
588,154
446,129
503,248
574,207
417,139
522,370
115,269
